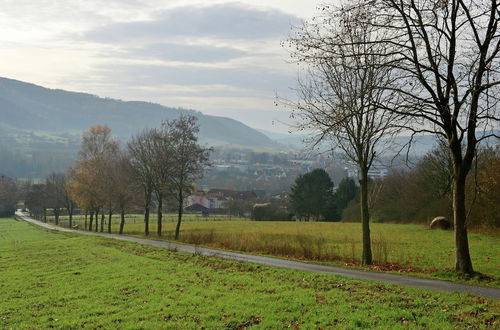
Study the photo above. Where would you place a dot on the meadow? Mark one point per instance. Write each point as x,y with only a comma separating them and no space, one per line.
404,248
51,279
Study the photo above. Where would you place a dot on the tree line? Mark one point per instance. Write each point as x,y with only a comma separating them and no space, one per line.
157,167
425,191
312,197
9,196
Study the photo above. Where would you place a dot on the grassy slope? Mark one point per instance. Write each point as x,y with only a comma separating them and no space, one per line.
409,248
50,279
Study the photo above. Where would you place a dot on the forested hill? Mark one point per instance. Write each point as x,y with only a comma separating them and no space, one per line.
28,106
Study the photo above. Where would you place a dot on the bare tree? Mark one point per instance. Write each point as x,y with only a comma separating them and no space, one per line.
162,165
446,58
142,155
36,201
189,160
68,202
126,187
166,162
111,185
343,96
56,194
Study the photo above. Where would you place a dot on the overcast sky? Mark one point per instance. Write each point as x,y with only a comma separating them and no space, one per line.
220,57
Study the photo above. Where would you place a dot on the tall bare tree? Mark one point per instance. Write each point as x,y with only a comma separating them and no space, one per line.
189,160
446,60
110,187
125,187
162,165
141,151
342,97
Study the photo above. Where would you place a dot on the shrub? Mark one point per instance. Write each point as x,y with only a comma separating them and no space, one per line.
270,212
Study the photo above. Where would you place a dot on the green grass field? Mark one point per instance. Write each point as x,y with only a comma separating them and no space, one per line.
396,247
51,279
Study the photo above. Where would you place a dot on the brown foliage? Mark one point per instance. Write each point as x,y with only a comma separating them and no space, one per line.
483,190
420,194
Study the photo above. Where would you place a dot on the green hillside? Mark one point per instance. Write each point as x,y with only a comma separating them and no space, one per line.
31,107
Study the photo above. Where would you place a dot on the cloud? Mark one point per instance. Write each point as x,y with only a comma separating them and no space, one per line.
250,78
187,53
223,57
223,21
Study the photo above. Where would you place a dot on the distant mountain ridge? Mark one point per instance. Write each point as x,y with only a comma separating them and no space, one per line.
31,107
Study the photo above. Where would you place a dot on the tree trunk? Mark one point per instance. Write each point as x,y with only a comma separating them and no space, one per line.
179,218
122,221
97,220
91,220
461,167
463,263
85,223
44,215
56,216
70,213
103,217
146,220
160,205
147,199
365,219
110,217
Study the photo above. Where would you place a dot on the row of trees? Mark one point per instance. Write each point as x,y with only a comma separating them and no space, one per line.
374,69
425,191
53,194
157,167
9,196
415,194
166,163
100,181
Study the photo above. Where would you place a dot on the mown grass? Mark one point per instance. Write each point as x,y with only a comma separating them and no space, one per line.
51,279
413,249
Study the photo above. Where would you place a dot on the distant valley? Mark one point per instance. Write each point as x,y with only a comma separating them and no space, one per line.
40,128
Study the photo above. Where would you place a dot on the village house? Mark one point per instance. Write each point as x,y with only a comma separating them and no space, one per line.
214,200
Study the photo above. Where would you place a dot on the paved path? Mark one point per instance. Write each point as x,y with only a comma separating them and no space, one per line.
409,281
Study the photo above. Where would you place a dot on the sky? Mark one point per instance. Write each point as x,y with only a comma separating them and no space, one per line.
220,57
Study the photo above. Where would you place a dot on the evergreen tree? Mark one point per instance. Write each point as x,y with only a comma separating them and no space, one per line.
311,195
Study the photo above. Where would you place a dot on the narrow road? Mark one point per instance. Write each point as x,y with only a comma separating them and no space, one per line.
409,281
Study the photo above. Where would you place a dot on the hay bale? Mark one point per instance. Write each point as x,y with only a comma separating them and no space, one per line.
441,223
